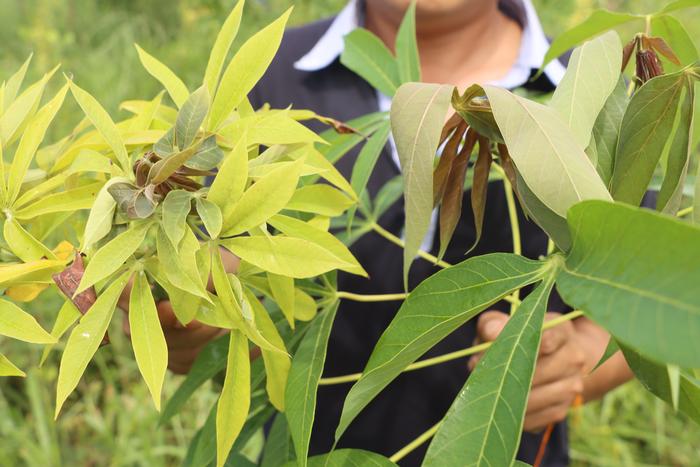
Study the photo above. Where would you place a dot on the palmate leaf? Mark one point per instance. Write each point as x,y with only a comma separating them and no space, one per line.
85,339
319,199
278,444
484,424
655,378
18,324
147,337
643,294
277,361
288,256
221,47
7,368
175,208
366,55
230,181
599,21
191,116
210,361
593,72
176,88
678,159
407,58
103,123
603,145
537,138
347,458
264,199
300,229
645,129
417,114
30,141
438,306
304,376
234,402
245,69
113,255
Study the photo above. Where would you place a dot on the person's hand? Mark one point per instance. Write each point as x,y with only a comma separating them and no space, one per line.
559,372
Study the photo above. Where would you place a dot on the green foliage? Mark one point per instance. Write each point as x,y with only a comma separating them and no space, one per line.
151,219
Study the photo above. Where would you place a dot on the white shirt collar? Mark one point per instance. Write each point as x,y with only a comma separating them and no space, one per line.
534,45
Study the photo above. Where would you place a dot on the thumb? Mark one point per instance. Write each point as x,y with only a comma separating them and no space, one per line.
490,325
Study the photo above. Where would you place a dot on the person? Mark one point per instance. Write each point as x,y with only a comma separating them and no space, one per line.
460,42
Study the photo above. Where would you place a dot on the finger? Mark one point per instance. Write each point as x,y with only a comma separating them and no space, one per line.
473,361
556,337
490,324
563,391
568,361
537,421
178,339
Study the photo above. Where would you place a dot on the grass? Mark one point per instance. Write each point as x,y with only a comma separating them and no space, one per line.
110,420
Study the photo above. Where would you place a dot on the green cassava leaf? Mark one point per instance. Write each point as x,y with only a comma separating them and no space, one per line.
655,378
678,5
282,289
537,137
174,85
304,376
190,117
234,402
548,220
147,338
417,115
264,199
287,256
113,255
366,160
603,144
66,317
221,47
679,153
593,72
622,291
85,339
245,69
319,199
18,324
14,84
347,458
645,129
15,118
207,156
230,181
407,58
99,222
176,207
434,309
278,444
210,215
71,200
30,141
23,244
366,55
598,22
7,368
493,401
300,229
103,124
277,363
210,361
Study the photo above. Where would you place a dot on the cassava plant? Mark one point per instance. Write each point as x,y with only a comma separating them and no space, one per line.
173,188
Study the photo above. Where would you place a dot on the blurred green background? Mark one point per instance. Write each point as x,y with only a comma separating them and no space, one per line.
110,421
